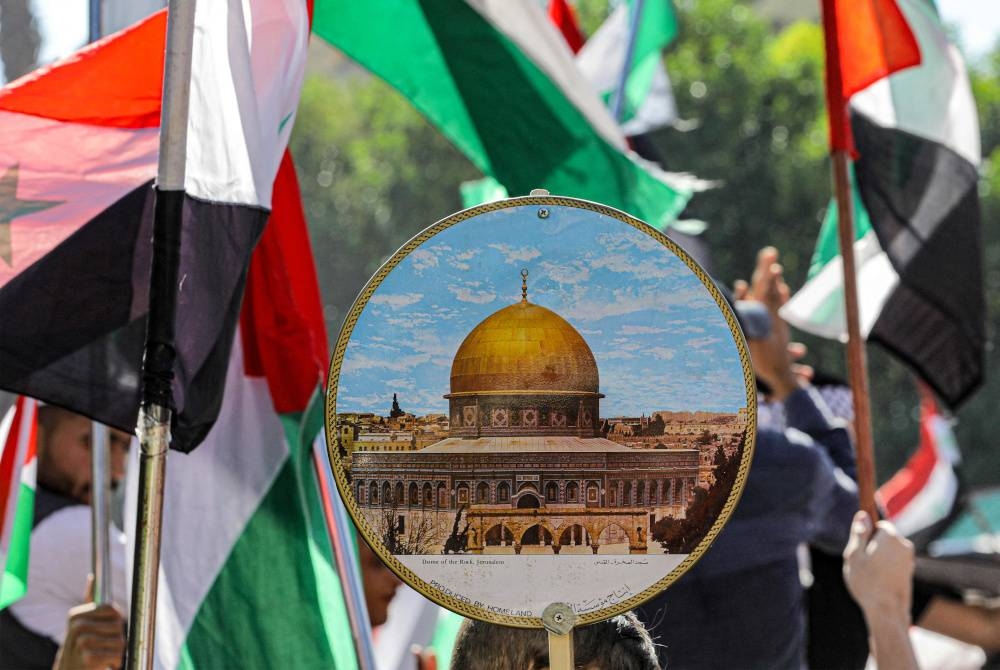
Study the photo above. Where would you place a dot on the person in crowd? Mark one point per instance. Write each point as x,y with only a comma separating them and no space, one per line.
380,584
619,643
878,571
49,624
741,605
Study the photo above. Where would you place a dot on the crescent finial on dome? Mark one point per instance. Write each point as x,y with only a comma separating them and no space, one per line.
524,284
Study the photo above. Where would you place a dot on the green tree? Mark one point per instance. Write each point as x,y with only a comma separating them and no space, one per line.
373,173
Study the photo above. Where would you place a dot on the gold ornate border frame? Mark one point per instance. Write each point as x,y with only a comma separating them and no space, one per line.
330,414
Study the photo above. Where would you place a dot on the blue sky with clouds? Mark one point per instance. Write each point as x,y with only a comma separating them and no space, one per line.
660,341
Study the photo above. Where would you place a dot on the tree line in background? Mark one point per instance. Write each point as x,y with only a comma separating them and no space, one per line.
374,173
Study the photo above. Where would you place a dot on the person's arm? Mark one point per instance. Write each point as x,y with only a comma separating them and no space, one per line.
878,571
774,361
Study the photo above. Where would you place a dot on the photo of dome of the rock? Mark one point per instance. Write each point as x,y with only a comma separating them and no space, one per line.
533,444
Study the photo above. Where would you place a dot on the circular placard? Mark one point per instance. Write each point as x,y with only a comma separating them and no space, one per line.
540,400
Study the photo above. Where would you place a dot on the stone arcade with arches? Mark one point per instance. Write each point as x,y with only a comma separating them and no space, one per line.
524,464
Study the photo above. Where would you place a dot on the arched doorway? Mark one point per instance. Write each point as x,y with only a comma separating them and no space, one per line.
482,493
573,536
536,535
499,535
528,501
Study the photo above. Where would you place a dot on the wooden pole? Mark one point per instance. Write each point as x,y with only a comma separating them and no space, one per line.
857,366
559,620
561,656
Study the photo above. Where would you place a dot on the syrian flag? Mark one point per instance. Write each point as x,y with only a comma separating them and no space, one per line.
649,99
76,169
246,567
17,496
915,134
497,79
923,495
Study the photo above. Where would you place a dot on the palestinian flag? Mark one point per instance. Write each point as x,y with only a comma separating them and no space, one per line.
76,168
649,99
17,496
499,81
915,134
246,568
921,499
563,17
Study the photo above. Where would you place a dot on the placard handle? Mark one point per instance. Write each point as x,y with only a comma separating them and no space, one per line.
559,619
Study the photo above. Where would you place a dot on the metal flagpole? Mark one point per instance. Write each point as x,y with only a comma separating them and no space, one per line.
158,356
857,366
100,512
94,21
618,105
100,455
346,558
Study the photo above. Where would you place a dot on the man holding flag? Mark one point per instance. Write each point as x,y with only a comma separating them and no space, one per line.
34,628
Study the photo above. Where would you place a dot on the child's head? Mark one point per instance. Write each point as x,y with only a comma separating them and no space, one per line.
620,643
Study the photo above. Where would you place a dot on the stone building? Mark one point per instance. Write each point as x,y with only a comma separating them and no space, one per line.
524,462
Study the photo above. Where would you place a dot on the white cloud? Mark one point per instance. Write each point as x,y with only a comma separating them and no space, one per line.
477,296
617,354
361,362
423,259
630,300
702,342
459,261
516,254
395,300
641,330
573,273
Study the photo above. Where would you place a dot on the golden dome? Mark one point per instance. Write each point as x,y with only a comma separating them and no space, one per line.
524,347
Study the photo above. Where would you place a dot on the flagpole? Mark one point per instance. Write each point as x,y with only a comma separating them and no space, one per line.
100,448
618,106
347,565
94,21
857,365
158,356
100,512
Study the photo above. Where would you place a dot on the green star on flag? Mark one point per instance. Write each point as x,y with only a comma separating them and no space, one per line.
11,208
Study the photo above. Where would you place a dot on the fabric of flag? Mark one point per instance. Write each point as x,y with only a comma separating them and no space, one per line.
246,569
76,167
918,251
564,18
867,40
17,496
925,492
497,79
648,97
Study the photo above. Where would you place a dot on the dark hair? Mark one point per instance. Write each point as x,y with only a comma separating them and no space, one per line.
619,643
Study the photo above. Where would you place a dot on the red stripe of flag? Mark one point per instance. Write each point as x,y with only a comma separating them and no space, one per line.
904,486
10,469
866,40
281,324
564,18
116,81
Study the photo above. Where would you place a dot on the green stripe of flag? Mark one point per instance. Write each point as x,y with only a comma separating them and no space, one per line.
493,101
14,580
248,606
658,28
